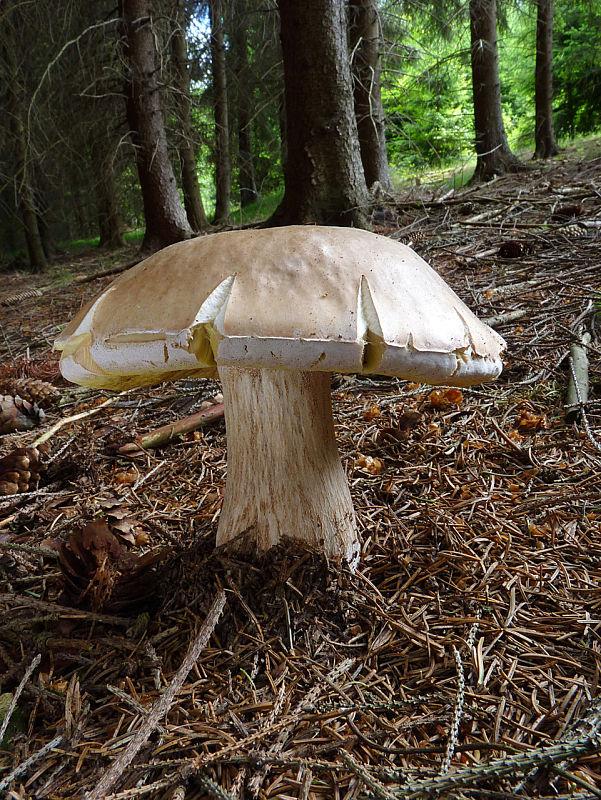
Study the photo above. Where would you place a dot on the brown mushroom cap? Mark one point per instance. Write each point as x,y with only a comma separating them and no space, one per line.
299,298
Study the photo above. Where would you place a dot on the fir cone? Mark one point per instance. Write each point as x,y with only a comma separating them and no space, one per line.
100,573
413,238
17,414
20,469
19,297
42,393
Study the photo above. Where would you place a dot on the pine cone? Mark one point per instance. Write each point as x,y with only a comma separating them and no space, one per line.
20,469
19,297
32,390
101,574
413,238
17,414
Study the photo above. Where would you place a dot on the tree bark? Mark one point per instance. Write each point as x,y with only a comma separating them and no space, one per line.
323,176
246,169
223,170
366,44
493,154
544,135
110,224
44,227
24,191
192,199
166,220
284,476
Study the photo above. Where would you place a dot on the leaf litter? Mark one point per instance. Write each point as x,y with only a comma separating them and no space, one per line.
462,658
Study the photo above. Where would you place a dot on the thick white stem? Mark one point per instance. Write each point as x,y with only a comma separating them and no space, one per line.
284,476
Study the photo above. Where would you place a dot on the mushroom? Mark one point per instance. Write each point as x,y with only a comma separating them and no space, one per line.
274,312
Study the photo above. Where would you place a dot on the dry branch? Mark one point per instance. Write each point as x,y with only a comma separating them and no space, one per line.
166,433
75,418
583,739
17,694
33,759
577,393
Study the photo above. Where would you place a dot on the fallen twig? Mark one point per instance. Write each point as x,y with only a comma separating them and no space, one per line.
583,738
19,770
167,433
17,694
577,393
19,297
162,705
62,422
510,316
64,611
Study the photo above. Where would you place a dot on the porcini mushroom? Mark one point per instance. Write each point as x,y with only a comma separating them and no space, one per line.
274,312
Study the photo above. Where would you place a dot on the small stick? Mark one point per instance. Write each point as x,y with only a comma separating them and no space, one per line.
162,704
62,422
498,767
378,788
19,770
509,316
166,433
64,611
46,552
577,394
14,701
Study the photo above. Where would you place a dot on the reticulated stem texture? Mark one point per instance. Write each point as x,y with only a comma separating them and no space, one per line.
284,476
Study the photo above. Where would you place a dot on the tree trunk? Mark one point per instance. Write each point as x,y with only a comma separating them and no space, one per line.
366,43
110,224
493,154
43,217
223,171
24,192
246,169
544,136
165,217
191,190
324,180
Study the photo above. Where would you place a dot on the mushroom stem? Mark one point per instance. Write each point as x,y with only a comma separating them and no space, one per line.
284,476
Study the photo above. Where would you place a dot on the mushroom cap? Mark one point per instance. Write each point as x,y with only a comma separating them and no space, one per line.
300,297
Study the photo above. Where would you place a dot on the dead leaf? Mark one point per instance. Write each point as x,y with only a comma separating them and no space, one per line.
371,412
370,464
529,421
445,398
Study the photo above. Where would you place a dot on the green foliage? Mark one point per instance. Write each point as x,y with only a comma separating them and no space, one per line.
73,78
427,102
577,67
259,210
427,121
427,93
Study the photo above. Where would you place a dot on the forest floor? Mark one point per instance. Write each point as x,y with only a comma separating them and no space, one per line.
461,658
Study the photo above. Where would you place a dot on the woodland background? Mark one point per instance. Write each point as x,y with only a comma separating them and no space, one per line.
214,107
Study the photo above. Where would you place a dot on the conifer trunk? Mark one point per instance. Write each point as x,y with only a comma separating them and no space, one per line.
24,191
223,170
544,135
246,168
492,149
191,191
366,45
166,220
324,180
